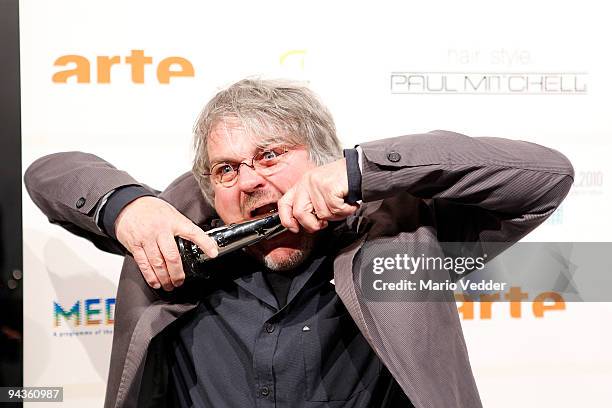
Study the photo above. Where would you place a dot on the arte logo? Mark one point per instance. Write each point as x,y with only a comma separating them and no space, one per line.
80,68
514,298
86,312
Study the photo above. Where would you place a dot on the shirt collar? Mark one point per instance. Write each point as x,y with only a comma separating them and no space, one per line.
256,284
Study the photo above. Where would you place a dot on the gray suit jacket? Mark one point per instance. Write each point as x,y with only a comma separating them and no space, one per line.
435,187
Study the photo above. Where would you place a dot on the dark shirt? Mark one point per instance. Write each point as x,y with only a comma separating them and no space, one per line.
280,283
242,348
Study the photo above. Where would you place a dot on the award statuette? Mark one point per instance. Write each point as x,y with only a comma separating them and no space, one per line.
229,238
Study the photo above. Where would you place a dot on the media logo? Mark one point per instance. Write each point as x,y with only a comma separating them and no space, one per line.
80,68
588,182
84,314
292,64
293,57
489,83
556,218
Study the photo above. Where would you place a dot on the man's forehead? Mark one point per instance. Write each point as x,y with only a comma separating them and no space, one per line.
229,140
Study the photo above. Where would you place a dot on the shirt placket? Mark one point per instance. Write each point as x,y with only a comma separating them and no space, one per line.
263,357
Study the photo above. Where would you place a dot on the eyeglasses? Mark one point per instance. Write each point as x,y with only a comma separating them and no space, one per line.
265,162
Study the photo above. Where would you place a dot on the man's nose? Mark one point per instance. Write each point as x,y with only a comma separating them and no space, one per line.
248,179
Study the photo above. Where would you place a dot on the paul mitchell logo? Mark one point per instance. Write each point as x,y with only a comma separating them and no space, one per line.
489,83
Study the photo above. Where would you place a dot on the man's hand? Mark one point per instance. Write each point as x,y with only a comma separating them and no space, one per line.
146,227
317,198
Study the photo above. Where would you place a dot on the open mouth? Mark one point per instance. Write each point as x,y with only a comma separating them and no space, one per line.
264,209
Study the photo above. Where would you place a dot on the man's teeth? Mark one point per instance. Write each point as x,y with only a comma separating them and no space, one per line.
264,209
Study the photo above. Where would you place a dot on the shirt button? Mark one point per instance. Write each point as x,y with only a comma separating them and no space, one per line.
264,391
394,157
269,327
80,202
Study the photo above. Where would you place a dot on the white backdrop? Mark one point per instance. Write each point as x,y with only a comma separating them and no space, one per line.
348,54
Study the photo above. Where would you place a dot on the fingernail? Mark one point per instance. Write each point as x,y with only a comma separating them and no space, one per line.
156,286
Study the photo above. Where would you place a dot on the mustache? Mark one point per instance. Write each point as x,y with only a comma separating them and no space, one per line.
256,197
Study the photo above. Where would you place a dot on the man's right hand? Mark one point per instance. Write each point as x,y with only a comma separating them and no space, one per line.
146,227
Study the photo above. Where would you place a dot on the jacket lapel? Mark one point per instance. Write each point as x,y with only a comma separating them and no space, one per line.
421,343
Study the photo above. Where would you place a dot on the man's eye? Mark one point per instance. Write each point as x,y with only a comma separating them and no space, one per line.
269,155
225,169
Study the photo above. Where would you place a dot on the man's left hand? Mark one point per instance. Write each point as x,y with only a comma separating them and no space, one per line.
317,198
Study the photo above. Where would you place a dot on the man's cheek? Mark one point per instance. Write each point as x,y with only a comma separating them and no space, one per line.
227,206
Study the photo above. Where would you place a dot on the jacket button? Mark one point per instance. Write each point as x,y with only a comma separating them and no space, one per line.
269,327
80,202
264,391
394,157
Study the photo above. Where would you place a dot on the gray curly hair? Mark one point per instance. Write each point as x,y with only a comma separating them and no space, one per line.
269,111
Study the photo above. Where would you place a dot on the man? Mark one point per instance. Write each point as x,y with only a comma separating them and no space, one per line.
277,332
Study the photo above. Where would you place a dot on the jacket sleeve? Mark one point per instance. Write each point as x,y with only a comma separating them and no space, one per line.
68,186
478,189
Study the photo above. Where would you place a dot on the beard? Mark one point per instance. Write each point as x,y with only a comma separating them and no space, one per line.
287,250
284,252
